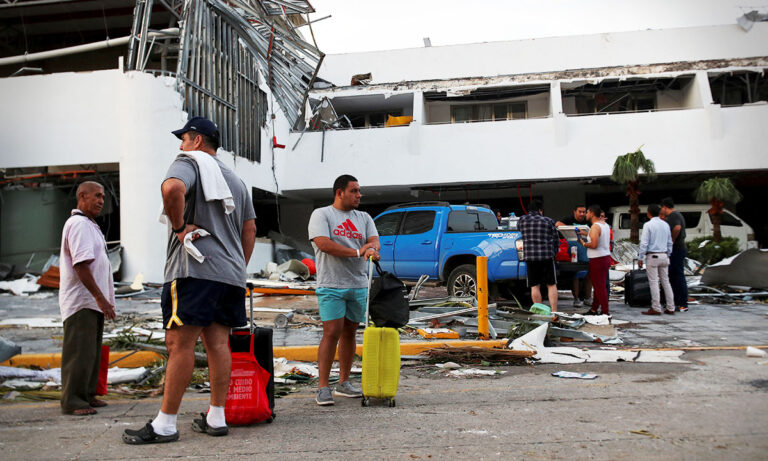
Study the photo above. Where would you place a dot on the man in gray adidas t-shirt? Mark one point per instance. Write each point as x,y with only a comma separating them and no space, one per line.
343,239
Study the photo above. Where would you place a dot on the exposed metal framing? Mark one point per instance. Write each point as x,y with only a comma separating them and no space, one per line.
283,7
291,64
144,40
218,76
223,46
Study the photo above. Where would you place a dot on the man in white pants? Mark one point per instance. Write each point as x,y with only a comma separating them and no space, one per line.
656,248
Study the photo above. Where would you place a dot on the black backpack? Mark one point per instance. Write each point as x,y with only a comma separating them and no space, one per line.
388,300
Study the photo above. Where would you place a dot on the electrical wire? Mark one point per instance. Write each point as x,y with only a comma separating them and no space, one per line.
274,172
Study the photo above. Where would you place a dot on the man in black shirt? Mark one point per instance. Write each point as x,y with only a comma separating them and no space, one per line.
676,223
579,218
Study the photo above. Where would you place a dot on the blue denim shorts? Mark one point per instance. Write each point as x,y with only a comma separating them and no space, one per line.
337,303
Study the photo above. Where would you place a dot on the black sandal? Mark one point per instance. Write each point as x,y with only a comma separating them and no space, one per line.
592,312
147,435
201,425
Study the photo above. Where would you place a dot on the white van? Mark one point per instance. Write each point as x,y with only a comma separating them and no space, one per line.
697,224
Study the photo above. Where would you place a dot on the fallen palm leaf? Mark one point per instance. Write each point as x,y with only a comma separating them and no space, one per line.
475,354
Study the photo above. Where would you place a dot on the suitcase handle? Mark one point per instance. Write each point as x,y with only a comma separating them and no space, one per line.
250,295
368,292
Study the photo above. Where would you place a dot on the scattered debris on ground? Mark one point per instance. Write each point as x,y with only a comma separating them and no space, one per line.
573,375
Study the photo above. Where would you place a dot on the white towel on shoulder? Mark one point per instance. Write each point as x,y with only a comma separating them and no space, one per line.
215,187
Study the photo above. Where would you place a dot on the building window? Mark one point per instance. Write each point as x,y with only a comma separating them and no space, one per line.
738,88
371,119
489,112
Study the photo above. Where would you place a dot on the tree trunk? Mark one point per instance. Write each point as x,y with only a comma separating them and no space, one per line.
716,212
634,210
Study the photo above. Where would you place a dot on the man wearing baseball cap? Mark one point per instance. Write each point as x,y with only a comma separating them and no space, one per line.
201,299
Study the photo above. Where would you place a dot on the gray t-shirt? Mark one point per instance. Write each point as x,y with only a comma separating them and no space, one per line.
351,229
676,218
223,249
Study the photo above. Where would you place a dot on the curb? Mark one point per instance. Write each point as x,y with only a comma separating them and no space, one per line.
133,359
127,359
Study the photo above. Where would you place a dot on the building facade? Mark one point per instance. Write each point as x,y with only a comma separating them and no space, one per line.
493,123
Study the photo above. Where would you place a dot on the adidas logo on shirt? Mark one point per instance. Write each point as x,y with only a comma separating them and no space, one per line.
347,229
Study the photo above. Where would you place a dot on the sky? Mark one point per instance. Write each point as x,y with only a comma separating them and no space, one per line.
367,25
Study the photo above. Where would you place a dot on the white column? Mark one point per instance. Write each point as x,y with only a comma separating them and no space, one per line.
556,112
714,111
150,109
414,134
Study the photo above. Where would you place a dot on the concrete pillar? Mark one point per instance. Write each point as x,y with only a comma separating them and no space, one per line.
418,108
714,111
419,115
150,109
556,111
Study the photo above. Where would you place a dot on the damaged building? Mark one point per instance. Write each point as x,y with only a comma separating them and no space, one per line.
494,123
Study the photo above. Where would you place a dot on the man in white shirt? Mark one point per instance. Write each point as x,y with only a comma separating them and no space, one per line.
86,297
656,248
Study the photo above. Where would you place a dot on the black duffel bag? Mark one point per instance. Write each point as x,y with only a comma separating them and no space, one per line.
388,300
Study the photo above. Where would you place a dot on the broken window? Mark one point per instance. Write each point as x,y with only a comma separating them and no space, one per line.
738,88
372,111
629,95
487,104
372,119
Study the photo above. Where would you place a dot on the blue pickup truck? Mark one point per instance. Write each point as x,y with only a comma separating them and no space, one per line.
443,241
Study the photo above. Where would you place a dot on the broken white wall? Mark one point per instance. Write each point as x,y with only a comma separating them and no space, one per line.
111,116
701,139
59,119
550,54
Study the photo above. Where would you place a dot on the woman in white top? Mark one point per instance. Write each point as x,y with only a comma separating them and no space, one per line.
599,253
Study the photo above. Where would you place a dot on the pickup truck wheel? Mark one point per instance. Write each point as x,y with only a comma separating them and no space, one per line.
463,281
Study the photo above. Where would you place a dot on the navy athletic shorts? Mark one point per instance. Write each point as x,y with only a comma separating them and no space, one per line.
191,301
539,272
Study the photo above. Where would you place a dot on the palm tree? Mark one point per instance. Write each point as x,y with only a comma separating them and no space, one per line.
717,191
626,170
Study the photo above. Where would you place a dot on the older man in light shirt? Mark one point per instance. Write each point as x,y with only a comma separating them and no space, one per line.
655,249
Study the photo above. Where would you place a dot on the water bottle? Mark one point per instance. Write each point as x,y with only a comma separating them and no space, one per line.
574,254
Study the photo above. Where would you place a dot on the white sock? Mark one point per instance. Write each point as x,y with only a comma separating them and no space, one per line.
215,417
164,424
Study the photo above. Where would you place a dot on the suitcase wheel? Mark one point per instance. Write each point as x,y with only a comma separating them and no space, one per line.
365,402
391,403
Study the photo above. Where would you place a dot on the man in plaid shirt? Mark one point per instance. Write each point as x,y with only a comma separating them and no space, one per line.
540,242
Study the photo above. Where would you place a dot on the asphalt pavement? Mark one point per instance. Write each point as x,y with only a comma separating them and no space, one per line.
713,407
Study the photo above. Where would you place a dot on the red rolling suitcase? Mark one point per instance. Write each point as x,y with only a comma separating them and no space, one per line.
255,342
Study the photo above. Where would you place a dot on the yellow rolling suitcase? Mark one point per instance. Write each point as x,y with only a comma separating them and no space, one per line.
381,360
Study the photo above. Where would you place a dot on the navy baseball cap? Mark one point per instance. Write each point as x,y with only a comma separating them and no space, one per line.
201,125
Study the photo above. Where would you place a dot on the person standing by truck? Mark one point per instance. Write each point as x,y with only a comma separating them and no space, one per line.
579,218
540,243
599,253
676,223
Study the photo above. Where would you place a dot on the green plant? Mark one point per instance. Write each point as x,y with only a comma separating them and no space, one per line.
626,170
717,191
711,251
126,339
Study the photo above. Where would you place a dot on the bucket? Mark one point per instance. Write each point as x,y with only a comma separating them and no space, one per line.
541,309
